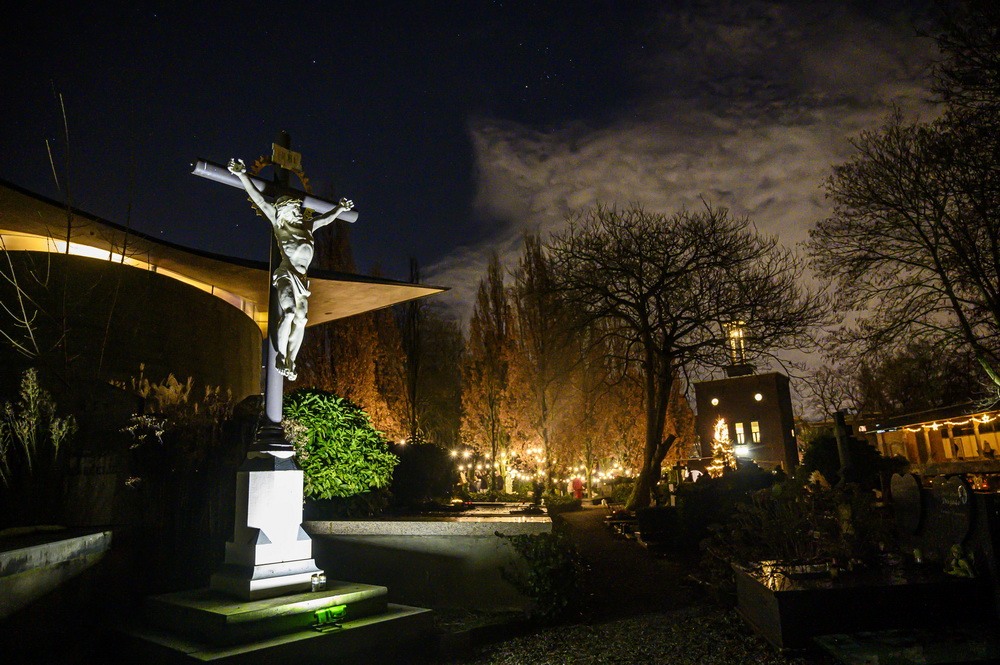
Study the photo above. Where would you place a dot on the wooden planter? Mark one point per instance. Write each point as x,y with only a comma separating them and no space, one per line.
788,612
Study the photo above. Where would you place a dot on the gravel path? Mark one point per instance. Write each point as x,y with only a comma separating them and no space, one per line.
640,610
623,579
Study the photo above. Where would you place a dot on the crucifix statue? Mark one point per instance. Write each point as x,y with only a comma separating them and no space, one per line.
270,554
294,234
292,252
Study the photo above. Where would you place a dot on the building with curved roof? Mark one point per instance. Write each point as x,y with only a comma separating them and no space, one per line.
130,300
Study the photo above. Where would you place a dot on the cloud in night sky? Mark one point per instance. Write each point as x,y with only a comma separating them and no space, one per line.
747,105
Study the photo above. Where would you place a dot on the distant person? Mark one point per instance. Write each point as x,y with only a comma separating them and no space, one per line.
578,487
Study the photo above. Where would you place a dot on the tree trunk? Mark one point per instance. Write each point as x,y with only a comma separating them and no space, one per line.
657,395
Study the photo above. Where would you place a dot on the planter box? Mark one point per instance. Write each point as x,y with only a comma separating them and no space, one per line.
788,613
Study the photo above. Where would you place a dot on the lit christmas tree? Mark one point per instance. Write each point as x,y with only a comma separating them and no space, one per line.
723,457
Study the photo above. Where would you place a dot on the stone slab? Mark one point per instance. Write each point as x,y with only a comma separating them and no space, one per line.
206,616
391,636
33,564
436,526
265,581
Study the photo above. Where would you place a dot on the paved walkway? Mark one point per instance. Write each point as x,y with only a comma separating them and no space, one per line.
624,579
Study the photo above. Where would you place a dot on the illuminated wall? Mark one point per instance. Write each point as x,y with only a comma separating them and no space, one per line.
116,317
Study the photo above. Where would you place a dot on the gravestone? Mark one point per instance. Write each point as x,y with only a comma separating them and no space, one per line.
953,496
907,502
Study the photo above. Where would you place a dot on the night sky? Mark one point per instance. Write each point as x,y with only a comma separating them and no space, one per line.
453,125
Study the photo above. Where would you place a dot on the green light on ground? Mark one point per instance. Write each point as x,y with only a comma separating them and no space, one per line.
329,618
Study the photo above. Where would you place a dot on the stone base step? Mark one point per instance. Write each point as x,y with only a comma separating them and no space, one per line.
208,616
398,634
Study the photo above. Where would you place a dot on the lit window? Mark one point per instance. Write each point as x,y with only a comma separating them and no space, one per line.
755,431
758,397
741,437
715,401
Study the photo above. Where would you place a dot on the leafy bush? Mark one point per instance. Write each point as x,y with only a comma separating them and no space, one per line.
619,490
551,575
561,503
495,496
796,523
366,504
868,464
712,500
340,452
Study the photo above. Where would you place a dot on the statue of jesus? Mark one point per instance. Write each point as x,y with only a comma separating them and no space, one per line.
294,234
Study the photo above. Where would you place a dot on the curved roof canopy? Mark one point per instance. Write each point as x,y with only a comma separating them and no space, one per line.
32,222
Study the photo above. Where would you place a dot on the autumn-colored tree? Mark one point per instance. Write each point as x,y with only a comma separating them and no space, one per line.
540,355
680,423
595,420
411,319
439,382
484,385
347,357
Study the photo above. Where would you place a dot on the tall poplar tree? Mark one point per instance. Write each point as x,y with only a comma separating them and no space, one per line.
485,367
541,353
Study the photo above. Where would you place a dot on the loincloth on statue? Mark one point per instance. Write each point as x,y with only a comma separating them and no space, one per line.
286,277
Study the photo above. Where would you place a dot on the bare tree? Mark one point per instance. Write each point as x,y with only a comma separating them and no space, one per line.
968,75
669,285
832,388
913,244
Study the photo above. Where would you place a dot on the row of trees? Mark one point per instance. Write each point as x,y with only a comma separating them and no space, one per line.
578,355
581,351
585,355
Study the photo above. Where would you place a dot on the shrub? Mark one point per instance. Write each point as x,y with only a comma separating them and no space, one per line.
32,460
366,504
620,489
793,523
551,575
338,449
425,473
712,500
561,503
495,496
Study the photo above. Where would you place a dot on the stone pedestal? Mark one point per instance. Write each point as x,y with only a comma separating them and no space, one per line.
270,555
347,622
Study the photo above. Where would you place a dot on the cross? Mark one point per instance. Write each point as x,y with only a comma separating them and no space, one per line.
291,253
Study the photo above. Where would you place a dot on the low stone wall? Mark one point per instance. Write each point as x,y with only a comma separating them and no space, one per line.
34,564
441,563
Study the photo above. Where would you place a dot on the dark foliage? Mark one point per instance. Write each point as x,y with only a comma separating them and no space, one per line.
551,573
425,473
